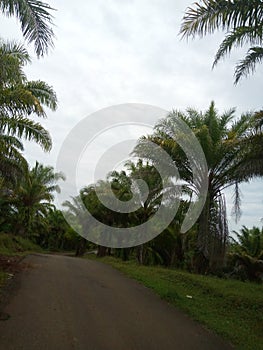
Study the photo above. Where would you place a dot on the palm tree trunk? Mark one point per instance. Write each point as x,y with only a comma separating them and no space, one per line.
203,229
140,254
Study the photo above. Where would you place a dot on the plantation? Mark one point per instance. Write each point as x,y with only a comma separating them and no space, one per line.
173,184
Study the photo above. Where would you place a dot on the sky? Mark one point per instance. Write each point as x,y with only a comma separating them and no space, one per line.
113,52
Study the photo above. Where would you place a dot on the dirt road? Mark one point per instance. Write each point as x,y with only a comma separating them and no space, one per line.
65,303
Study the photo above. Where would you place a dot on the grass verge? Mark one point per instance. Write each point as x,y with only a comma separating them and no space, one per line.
12,249
15,245
232,309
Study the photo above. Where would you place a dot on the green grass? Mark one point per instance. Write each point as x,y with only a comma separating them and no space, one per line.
233,309
16,245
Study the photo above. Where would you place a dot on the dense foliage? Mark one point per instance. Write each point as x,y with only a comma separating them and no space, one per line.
229,144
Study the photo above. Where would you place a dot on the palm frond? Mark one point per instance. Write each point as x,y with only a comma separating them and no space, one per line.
206,16
237,38
35,19
27,129
11,141
13,57
248,64
43,92
18,100
12,162
14,50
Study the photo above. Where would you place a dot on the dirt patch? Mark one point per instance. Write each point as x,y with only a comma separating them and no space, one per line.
10,264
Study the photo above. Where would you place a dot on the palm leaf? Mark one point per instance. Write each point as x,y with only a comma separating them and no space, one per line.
248,64
35,20
13,57
26,128
43,92
237,38
210,15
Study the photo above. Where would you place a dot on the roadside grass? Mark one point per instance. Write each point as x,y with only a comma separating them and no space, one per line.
12,249
3,276
233,309
15,245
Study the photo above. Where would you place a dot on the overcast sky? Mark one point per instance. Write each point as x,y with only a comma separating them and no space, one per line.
120,51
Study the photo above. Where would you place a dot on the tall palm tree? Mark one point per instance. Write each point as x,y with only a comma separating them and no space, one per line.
20,99
227,145
35,19
243,22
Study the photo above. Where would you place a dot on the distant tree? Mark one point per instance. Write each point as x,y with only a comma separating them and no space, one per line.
241,19
55,234
34,196
246,254
148,207
35,20
74,211
250,241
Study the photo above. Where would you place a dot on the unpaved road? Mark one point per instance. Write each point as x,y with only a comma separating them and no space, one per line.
64,303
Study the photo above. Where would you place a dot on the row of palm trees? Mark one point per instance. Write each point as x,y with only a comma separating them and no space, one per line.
25,194
232,146
233,151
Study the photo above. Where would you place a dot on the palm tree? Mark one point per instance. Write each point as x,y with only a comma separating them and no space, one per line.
247,254
250,242
227,146
19,99
76,216
243,21
35,19
12,163
34,196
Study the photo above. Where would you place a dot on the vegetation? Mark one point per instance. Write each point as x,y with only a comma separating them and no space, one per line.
35,20
20,101
231,308
25,194
229,144
15,245
233,148
242,21
246,256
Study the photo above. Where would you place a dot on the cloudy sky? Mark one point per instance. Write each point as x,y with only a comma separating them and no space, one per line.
120,51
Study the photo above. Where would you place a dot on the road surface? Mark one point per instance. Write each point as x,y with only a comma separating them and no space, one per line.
64,303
